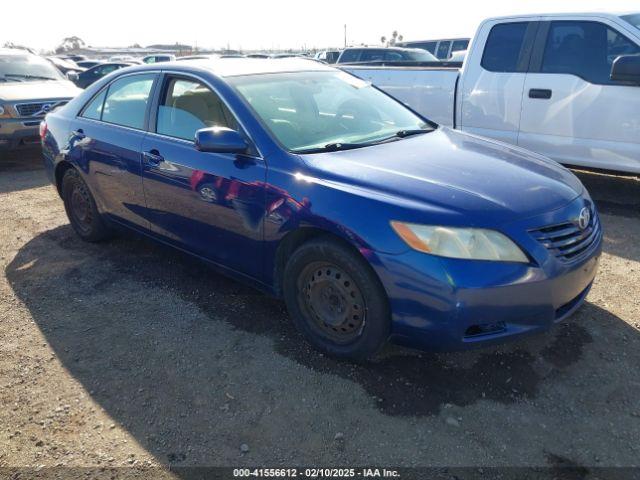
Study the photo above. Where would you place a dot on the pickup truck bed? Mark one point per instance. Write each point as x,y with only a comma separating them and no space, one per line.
430,91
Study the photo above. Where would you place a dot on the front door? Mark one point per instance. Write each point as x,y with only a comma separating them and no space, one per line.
211,204
571,110
491,90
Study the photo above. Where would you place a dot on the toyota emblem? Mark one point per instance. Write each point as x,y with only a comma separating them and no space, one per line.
584,218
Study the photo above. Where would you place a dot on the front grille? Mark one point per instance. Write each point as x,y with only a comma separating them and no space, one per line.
566,240
30,109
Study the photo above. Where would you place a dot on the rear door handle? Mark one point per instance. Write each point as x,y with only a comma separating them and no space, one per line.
540,93
152,158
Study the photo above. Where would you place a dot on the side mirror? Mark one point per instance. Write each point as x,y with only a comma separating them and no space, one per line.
220,140
73,76
626,69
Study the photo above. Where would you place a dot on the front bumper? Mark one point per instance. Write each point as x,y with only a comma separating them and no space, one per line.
443,304
19,132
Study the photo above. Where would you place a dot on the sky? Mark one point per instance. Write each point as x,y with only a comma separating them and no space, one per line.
267,24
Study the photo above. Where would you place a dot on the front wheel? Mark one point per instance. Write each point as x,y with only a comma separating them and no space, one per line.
336,300
81,208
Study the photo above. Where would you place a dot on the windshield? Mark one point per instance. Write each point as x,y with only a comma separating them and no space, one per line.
309,110
633,19
23,68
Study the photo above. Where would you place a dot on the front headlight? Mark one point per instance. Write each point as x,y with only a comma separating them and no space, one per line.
453,242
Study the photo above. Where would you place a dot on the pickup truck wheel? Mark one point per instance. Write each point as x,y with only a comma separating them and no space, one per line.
336,300
81,208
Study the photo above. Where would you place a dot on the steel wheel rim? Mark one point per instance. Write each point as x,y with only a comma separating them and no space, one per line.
333,301
81,207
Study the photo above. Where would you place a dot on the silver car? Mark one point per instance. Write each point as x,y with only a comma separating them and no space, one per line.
30,87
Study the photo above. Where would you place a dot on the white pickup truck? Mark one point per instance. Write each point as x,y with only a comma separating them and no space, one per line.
563,85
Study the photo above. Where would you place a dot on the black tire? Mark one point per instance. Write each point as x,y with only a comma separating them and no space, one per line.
81,208
336,300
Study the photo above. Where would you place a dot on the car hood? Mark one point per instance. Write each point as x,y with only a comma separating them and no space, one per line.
35,90
484,181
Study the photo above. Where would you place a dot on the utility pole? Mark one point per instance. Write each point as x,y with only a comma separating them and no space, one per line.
345,35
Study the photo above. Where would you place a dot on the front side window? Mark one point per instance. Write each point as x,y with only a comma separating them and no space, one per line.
309,110
187,106
127,99
584,49
107,69
372,55
502,51
349,56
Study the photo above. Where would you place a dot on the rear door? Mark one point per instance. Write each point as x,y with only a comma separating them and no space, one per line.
107,137
571,110
490,92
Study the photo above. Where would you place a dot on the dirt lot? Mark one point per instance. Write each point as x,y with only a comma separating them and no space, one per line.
128,353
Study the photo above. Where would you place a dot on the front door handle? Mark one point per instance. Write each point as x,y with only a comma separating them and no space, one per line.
152,158
540,93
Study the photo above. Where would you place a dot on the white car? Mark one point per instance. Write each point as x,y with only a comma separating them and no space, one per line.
563,85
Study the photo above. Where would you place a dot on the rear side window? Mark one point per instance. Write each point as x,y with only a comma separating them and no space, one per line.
126,101
349,56
584,49
93,110
459,45
187,106
443,50
502,51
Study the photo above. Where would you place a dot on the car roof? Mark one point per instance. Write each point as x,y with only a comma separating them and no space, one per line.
232,67
560,14
397,49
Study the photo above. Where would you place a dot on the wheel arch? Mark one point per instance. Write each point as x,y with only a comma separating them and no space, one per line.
60,170
294,239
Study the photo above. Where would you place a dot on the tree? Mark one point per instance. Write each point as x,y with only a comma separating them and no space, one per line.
70,43
389,42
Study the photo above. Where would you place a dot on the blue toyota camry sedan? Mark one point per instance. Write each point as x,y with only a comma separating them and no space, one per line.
372,222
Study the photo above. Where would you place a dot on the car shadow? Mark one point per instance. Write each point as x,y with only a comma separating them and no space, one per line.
136,363
614,195
618,201
24,167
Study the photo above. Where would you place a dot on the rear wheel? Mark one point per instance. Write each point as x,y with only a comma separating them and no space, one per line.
336,300
81,208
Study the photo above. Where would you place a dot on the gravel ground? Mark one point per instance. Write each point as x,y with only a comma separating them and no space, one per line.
129,353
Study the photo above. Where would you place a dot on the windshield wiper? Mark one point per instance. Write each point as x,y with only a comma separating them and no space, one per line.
408,133
336,146
28,77
333,147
